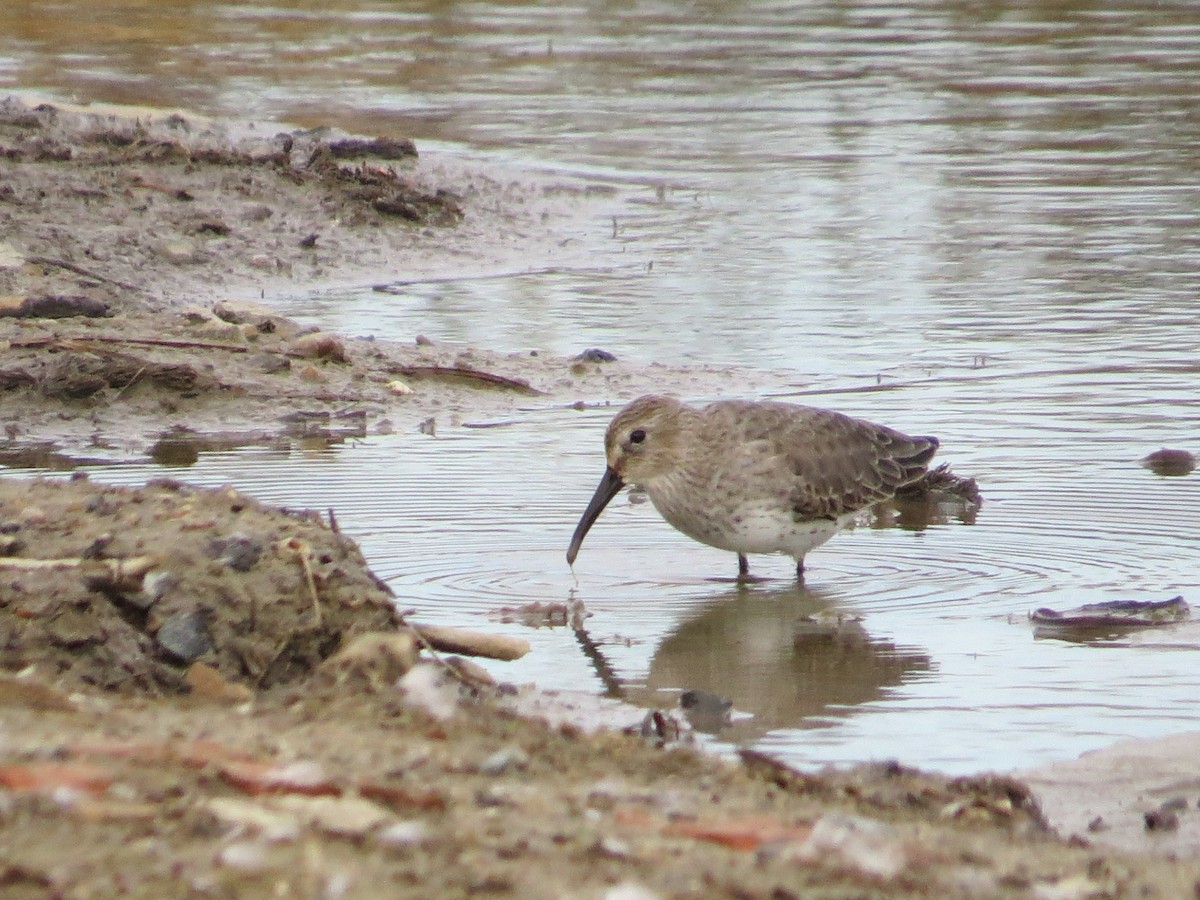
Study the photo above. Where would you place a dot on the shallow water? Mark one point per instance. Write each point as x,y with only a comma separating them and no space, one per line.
980,221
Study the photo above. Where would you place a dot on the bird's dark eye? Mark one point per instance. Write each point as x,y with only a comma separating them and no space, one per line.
637,435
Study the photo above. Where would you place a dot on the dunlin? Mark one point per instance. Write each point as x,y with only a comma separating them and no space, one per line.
753,477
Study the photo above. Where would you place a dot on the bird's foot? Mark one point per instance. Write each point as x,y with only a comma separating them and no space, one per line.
743,575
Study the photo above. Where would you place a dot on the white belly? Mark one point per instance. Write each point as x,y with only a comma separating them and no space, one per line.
752,529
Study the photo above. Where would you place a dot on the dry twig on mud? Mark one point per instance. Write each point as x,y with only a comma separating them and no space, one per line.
78,342
78,270
119,574
303,551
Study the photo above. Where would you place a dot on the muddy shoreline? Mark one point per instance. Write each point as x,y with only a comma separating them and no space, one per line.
138,255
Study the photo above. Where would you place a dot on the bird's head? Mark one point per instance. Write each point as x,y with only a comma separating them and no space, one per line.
642,443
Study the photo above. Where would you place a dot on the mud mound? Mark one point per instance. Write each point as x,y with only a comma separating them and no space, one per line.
149,208
124,588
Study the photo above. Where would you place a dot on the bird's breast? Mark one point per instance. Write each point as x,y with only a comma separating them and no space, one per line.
735,522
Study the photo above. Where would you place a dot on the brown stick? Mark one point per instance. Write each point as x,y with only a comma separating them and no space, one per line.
115,339
78,270
471,643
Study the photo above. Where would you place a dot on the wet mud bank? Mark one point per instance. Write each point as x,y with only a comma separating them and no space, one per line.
135,248
204,696
201,695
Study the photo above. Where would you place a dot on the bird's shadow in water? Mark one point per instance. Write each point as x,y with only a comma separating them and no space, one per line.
784,655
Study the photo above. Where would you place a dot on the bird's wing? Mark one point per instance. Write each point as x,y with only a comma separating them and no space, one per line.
822,464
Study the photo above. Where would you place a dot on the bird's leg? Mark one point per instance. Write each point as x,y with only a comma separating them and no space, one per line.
743,567
800,569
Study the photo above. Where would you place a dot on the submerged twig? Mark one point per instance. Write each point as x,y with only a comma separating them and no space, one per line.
517,384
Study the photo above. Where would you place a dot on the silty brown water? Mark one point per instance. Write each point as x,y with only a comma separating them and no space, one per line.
974,221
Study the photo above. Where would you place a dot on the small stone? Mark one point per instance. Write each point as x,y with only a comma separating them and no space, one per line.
181,253
613,848
270,363
1170,462
399,388
398,835
185,636
350,816
503,760
1161,820
245,856
259,212
596,355
246,312
207,682
239,552
319,345
155,585
423,341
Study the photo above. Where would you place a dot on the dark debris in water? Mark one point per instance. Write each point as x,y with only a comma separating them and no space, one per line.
1099,619
596,355
1170,462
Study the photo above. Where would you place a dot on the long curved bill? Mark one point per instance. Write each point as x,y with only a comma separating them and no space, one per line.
605,491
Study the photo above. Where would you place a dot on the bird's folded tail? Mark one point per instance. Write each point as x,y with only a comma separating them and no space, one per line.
916,457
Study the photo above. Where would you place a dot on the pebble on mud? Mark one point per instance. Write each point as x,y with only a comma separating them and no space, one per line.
239,551
185,636
347,817
596,355
503,760
1161,819
245,856
207,682
403,834
181,253
247,312
319,345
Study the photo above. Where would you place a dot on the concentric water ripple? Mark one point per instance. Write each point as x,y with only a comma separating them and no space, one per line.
465,524
984,228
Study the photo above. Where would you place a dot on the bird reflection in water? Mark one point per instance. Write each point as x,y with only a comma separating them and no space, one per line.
783,659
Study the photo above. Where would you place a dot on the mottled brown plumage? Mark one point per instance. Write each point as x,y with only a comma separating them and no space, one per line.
754,477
